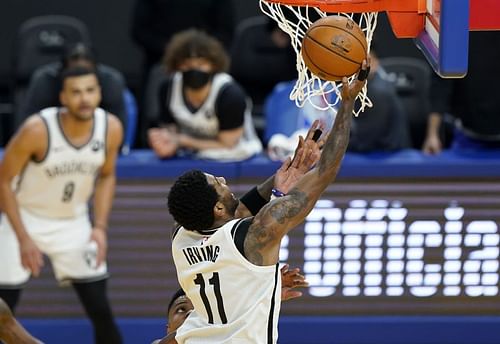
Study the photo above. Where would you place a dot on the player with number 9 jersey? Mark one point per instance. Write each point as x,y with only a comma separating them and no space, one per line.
60,185
52,166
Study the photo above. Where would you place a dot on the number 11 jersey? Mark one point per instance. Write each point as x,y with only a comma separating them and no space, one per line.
61,184
234,300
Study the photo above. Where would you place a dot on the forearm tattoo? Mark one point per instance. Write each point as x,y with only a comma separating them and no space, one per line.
260,235
289,207
336,145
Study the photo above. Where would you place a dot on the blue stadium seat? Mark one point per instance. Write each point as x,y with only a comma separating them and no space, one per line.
130,131
283,116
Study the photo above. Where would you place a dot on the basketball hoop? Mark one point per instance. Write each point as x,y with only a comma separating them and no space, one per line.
294,17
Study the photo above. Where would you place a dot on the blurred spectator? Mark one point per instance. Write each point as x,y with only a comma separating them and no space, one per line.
45,84
473,101
383,127
155,21
202,108
261,57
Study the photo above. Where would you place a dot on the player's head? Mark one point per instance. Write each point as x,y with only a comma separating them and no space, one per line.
78,54
179,308
80,92
197,55
198,201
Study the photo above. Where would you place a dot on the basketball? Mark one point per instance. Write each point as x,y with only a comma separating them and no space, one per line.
334,47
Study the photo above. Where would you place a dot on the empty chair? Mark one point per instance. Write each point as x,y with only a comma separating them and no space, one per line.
41,40
411,77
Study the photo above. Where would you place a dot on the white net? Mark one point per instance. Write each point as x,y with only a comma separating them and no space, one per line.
295,21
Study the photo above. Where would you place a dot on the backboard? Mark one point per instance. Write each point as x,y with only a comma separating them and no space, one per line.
445,38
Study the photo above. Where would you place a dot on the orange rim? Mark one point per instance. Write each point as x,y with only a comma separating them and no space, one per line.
358,6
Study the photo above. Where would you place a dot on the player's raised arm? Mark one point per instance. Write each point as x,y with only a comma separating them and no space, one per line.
280,216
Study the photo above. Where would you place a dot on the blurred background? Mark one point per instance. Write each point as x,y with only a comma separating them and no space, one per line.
409,299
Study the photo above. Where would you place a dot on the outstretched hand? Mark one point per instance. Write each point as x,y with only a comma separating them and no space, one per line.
306,156
350,91
291,279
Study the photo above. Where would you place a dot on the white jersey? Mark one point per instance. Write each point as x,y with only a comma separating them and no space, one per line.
61,185
204,122
234,300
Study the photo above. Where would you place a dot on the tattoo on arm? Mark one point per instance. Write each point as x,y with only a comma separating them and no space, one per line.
288,208
260,235
336,145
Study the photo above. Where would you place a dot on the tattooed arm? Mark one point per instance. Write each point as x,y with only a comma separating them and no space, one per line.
278,217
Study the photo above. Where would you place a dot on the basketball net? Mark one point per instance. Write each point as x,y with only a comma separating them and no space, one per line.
309,86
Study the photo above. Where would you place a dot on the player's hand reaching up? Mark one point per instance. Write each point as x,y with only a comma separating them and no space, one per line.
291,279
350,91
306,156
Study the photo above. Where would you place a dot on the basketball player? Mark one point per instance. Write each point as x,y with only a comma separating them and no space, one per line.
51,167
228,266
180,306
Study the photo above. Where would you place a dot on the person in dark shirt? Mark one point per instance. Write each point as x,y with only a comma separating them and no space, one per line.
202,108
475,109
43,90
261,57
383,127
156,21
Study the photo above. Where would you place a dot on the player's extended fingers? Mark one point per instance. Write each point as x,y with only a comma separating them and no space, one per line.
35,263
285,165
344,92
290,294
313,156
284,268
298,158
312,129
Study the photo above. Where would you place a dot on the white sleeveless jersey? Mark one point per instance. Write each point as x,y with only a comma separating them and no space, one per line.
61,185
234,300
204,122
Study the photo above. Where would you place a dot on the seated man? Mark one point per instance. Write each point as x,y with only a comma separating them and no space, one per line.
43,90
203,110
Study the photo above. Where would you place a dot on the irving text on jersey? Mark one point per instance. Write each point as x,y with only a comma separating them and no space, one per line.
198,254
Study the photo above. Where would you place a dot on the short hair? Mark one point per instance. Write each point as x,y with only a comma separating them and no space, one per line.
195,43
76,71
78,51
177,294
191,201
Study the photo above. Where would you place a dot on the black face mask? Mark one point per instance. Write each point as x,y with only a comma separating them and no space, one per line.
195,78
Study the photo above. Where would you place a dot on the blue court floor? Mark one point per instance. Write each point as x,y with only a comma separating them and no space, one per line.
304,330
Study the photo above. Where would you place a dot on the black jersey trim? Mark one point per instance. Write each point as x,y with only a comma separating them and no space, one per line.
207,231
176,230
239,233
270,322
66,280
106,127
58,119
48,142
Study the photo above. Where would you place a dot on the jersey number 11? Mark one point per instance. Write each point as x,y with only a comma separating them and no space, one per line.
220,304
